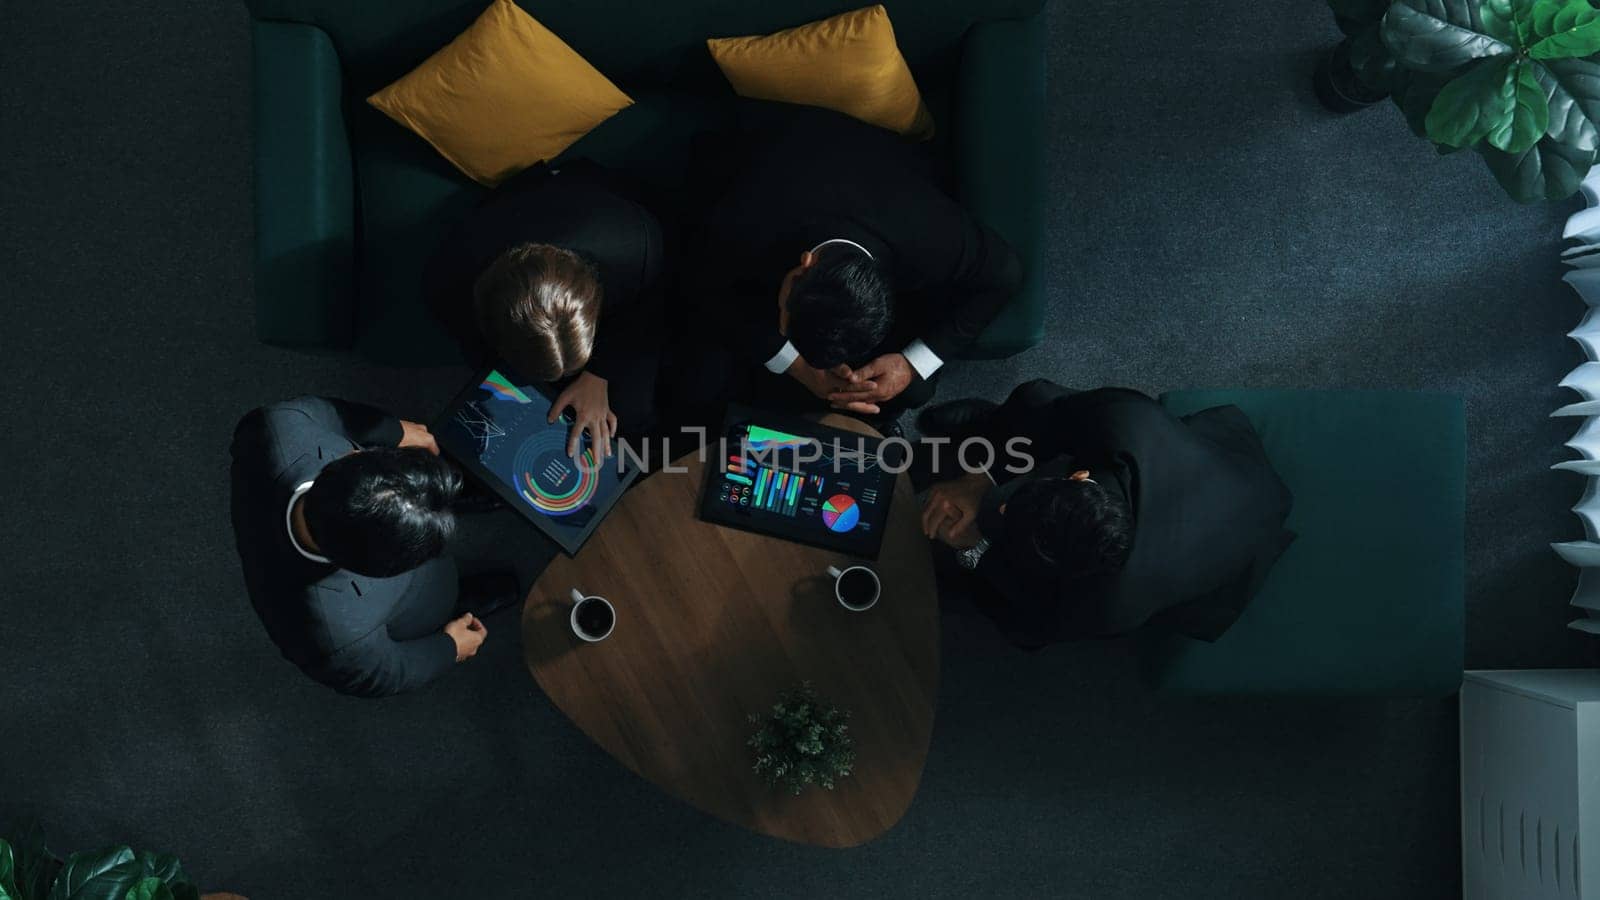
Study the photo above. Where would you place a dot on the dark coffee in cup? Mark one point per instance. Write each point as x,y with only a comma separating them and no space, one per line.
857,588
595,618
592,617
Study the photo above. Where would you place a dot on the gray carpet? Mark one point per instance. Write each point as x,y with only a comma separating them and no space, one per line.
1210,226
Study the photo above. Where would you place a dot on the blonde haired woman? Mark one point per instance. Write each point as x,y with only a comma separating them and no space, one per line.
559,274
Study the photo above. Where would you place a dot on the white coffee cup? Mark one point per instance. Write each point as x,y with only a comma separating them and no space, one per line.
579,601
838,578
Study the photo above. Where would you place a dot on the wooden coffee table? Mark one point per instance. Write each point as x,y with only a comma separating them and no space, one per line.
712,623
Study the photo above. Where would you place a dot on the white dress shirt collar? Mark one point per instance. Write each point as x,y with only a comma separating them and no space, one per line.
288,519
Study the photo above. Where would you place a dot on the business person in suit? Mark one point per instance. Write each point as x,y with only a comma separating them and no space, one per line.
341,514
1128,515
835,267
560,273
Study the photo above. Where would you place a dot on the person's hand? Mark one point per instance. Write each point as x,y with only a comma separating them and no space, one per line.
591,412
874,384
820,382
413,434
468,633
950,513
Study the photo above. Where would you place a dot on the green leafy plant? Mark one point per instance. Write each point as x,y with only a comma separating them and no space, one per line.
29,871
1515,80
802,741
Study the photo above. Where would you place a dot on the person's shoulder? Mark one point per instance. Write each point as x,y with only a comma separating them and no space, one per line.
291,601
302,408
1121,395
343,610
1120,402
274,432
265,420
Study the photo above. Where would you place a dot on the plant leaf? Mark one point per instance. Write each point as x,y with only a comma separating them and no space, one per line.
148,888
1441,35
1506,20
1501,100
1572,96
1564,28
97,875
1549,170
1473,105
36,865
8,873
164,866
1530,111
1553,168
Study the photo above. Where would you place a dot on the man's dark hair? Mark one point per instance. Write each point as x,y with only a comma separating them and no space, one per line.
1077,527
382,511
839,308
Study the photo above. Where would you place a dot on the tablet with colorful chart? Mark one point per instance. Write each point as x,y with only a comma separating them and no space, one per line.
800,481
497,429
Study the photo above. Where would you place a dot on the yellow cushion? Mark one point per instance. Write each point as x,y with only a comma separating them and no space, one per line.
849,63
505,94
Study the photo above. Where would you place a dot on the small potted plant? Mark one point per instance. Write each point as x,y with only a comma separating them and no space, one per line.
802,741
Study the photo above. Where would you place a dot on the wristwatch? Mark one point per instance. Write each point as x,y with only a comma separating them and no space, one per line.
970,557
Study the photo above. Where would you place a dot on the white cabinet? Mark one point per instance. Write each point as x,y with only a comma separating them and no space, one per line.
1530,785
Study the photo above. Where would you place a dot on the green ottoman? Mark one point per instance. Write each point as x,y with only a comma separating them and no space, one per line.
1369,599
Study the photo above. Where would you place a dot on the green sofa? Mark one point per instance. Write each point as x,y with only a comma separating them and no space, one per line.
1369,599
349,205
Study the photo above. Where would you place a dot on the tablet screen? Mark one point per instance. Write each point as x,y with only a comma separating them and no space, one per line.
497,429
800,481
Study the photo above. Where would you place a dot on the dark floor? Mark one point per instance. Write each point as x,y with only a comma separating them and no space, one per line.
1210,226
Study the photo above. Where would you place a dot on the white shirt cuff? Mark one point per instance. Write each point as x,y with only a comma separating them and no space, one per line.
924,360
783,359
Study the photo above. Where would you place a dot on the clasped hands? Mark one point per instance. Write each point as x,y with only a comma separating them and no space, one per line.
862,390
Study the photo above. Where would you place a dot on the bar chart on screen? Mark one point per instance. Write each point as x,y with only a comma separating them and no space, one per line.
762,487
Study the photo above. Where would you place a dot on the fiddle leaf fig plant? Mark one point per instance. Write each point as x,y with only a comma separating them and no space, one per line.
28,871
1517,81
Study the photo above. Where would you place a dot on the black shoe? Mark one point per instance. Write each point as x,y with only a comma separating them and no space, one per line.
954,417
486,594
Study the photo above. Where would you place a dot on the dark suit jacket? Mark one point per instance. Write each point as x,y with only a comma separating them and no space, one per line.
358,635
584,209
798,176
1208,513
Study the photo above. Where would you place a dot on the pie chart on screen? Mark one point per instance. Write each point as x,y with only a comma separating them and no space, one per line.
840,513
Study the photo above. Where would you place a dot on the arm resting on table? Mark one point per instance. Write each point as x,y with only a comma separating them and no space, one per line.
304,190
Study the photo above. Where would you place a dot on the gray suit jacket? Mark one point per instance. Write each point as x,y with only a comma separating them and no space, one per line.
363,636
